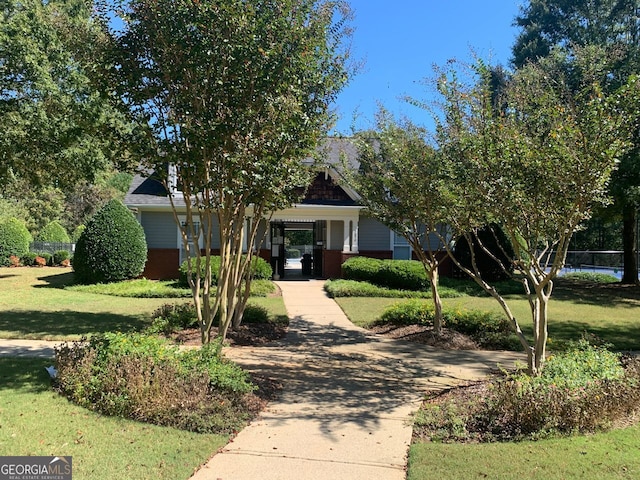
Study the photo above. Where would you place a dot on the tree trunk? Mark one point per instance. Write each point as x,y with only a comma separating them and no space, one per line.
437,302
629,243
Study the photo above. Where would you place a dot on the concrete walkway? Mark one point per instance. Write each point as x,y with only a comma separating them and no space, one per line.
347,399
345,409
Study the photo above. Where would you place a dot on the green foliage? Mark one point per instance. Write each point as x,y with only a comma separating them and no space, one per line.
145,378
14,238
77,232
53,232
354,288
292,253
112,247
567,398
261,270
173,317
28,259
488,329
395,274
593,277
56,127
493,239
60,256
48,258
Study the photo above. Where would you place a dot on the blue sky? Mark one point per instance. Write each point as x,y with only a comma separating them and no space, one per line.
400,42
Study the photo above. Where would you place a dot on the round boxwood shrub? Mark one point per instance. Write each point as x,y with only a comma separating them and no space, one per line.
53,232
14,238
111,248
494,240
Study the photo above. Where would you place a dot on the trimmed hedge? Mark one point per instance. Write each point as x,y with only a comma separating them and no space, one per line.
53,232
14,238
111,248
261,270
396,274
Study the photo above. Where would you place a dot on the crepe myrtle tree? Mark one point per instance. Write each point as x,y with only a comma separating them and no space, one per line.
235,95
400,180
534,162
611,25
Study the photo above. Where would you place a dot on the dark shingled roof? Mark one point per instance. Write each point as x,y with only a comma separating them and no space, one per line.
334,151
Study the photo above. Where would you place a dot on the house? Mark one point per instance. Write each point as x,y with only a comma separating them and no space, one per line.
339,227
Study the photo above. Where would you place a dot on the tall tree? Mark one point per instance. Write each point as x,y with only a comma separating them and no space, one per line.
535,167
400,180
614,26
56,126
235,94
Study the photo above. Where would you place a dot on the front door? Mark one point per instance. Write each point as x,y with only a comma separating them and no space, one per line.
319,241
277,249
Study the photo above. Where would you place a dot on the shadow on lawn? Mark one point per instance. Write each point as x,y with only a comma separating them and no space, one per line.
623,337
24,374
57,280
38,324
609,295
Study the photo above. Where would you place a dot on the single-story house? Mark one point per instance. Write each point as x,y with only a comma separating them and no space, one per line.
330,210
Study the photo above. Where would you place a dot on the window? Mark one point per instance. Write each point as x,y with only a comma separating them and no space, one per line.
401,248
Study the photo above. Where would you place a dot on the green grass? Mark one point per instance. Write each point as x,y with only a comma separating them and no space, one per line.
34,420
36,303
604,455
611,313
138,288
144,288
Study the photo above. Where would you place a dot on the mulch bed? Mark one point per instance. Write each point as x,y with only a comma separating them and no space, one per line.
447,340
250,334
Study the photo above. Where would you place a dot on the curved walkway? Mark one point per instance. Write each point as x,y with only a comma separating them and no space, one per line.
347,400
345,409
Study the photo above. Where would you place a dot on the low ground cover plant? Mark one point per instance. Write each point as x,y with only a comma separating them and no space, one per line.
354,288
145,378
487,329
584,389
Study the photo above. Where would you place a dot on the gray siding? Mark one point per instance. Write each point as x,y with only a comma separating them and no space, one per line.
373,235
160,229
336,242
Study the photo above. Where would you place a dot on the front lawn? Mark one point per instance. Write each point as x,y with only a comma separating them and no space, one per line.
36,421
608,311
611,455
37,303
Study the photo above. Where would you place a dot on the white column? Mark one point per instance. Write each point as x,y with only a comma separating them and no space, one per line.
350,244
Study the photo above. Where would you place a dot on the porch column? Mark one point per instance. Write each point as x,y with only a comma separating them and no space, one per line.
350,244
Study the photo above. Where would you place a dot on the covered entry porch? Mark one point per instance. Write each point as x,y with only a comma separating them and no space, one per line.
331,232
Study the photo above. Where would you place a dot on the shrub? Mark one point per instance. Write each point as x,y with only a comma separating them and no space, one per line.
40,261
396,274
593,277
488,329
293,253
48,258
170,318
53,232
494,240
60,256
353,288
144,378
112,247
14,238
29,258
261,269
75,235
585,390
